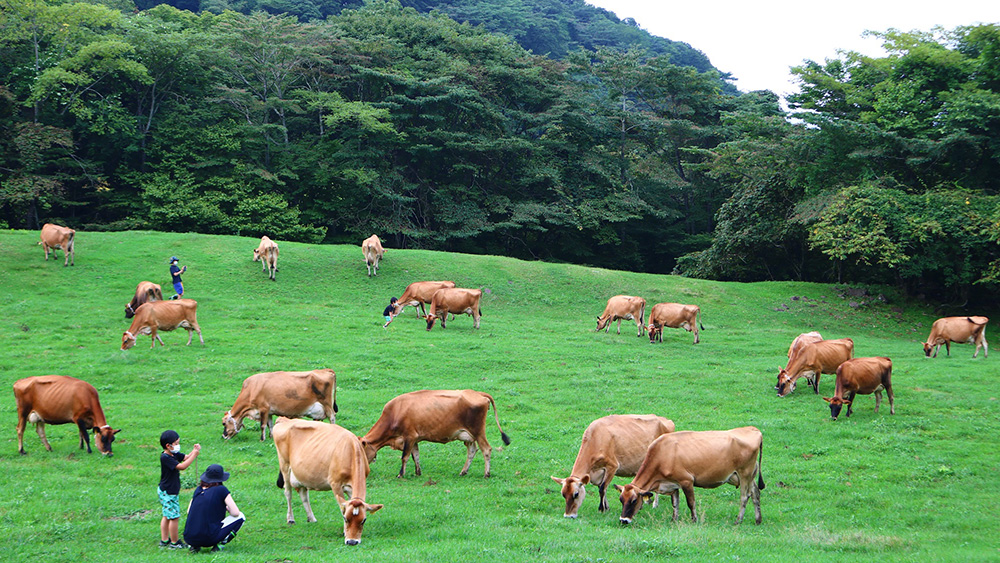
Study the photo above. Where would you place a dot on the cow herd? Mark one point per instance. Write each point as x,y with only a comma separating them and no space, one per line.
313,455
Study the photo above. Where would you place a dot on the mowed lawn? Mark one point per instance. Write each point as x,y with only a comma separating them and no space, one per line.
921,485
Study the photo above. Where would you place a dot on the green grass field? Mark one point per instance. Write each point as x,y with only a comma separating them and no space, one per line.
921,485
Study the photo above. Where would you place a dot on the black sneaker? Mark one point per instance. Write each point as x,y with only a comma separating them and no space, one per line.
194,549
178,545
217,548
164,543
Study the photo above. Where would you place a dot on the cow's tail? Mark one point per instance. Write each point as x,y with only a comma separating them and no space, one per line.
760,468
496,416
281,480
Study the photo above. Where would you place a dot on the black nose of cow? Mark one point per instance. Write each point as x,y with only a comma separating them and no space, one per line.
352,542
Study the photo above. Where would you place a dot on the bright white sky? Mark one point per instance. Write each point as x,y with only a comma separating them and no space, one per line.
757,42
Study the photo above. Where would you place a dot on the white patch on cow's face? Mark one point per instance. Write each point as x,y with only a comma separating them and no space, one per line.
356,511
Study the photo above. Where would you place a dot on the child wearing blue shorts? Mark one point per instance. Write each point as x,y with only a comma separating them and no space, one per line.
172,462
175,275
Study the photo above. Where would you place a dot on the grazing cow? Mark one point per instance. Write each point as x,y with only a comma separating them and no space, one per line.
673,315
419,293
962,330
612,445
811,361
145,292
864,376
372,249
324,457
55,236
433,416
283,393
165,316
684,460
60,399
267,253
623,307
801,340
454,300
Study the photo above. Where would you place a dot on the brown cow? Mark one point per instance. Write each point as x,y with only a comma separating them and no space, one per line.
612,445
673,315
372,250
801,340
165,316
283,393
962,330
60,399
623,307
419,293
455,300
267,253
433,416
811,361
55,236
145,292
324,457
864,376
684,460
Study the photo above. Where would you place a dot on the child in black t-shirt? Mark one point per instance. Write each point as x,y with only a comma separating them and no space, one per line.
389,311
172,462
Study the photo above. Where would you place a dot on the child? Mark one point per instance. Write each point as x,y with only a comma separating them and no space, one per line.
213,517
389,311
172,462
175,274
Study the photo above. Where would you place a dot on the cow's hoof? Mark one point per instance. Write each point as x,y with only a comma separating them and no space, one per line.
291,522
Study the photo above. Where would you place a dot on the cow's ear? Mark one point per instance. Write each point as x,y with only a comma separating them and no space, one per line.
373,508
619,488
647,494
847,403
828,399
117,431
558,480
586,479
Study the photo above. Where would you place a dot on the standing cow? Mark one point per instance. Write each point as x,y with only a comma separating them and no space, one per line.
624,307
324,457
145,292
673,315
60,399
962,330
685,460
283,393
433,416
267,253
813,360
612,445
457,301
59,237
419,293
372,250
163,315
864,376
801,340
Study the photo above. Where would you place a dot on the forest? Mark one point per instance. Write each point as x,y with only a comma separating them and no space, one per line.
587,141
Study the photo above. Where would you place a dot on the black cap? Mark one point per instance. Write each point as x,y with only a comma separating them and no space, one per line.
168,437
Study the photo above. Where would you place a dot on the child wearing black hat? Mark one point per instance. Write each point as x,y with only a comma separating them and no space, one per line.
213,517
172,462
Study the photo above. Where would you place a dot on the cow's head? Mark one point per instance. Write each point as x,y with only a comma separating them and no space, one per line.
655,333
230,426
632,499
128,340
928,348
602,322
103,436
129,311
836,404
356,511
430,321
256,254
785,384
370,450
573,491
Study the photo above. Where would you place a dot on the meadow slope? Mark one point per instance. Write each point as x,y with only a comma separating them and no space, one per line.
917,486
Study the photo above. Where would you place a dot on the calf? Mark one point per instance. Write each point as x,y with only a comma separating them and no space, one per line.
58,237
962,330
623,307
811,361
673,315
612,445
145,292
165,316
283,393
418,293
433,416
324,457
267,253
684,460
372,250
60,399
864,376
455,300
801,340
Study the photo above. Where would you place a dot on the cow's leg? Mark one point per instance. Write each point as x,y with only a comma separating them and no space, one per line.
84,435
755,495
196,328
265,424
487,451
40,429
619,326
304,495
407,451
45,247
602,491
471,447
815,382
888,393
290,518
475,318
947,346
688,488
850,405
878,400
746,486
444,318
22,421
675,500
423,312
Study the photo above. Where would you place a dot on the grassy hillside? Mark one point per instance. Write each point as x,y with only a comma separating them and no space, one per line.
917,486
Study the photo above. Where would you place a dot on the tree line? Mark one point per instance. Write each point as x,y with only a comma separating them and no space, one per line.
443,135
